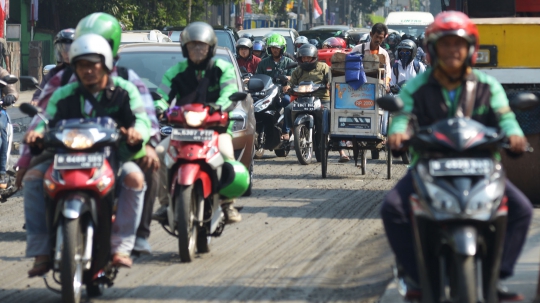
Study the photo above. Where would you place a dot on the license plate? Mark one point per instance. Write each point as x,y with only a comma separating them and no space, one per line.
303,106
460,167
78,161
192,135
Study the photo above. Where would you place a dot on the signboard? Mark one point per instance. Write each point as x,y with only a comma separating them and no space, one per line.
354,122
349,98
13,32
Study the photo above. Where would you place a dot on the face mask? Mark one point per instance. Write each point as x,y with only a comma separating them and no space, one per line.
404,59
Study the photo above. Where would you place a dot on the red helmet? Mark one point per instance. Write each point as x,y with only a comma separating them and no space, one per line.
452,23
334,42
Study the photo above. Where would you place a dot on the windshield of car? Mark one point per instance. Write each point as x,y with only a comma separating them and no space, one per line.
288,39
414,30
151,66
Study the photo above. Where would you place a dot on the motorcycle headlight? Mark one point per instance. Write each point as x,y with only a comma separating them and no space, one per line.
486,199
239,125
266,101
79,138
442,200
304,88
194,119
317,104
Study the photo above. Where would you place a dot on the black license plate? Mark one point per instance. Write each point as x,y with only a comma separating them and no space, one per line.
192,135
301,107
460,167
78,161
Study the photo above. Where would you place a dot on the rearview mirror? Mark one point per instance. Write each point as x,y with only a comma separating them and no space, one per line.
390,103
155,96
28,109
29,81
238,96
47,68
10,79
255,85
524,101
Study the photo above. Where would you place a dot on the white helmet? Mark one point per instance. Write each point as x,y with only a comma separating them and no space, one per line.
91,47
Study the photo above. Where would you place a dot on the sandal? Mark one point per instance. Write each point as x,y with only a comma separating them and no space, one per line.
40,267
344,159
122,260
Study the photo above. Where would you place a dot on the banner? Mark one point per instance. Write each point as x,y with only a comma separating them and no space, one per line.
248,6
317,11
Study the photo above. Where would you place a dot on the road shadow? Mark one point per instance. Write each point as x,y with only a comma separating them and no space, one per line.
12,236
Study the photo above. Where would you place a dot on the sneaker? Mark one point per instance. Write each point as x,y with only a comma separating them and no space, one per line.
142,246
3,181
231,213
506,295
161,215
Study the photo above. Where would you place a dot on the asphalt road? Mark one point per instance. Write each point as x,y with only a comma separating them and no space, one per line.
302,239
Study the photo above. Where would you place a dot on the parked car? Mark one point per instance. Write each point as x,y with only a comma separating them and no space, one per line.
142,36
227,36
151,60
290,35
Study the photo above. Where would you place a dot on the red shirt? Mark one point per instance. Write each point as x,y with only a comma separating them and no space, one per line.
250,63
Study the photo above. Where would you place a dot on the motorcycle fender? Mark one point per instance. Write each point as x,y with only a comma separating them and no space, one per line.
304,118
463,240
190,172
74,207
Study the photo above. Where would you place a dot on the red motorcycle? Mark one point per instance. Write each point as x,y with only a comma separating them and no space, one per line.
197,171
79,187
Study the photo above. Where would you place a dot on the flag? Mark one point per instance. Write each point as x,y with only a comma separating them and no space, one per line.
317,11
34,11
248,6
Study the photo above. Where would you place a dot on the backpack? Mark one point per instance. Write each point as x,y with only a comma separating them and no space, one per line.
68,72
395,68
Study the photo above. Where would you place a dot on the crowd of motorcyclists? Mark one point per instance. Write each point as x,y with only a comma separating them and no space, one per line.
86,83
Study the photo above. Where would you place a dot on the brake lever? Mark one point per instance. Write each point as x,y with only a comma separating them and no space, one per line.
528,148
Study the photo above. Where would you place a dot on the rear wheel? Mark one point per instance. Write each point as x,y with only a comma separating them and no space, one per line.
187,201
463,279
94,290
302,146
203,241
71,271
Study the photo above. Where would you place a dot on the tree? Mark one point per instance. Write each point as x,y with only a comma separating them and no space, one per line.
365,6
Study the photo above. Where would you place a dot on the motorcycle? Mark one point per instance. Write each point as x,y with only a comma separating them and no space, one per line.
266,93
196,168
459,208
10,189
80,196
303,114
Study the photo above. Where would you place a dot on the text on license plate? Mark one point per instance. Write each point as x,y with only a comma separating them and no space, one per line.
194,135
459,167
303,106
78,161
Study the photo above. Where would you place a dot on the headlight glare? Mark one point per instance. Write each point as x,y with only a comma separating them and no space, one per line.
194,119
79,139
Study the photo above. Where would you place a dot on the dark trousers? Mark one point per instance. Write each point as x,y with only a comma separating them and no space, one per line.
396,214
152,181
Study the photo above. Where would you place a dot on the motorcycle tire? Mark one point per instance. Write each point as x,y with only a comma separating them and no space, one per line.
259,153
317,144
94,290
388,162
282,152
463,279
363,155
304,151
71,270
186,202
203,242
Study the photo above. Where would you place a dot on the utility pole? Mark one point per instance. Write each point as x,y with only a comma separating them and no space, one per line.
310,12
324,6
299,13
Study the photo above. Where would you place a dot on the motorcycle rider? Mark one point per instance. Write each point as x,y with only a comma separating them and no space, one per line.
181,82
244,55
334,42
92,59
267,51
248,36
393,41
421,55
314,42
10,96
301,40
407,66
277,61
259,49
62,42
452,43
109,28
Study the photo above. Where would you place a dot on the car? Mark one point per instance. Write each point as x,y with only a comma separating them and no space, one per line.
290,35
151,60
144,36
227,36
331,27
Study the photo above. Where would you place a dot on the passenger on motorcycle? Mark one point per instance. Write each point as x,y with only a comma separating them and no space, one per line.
259,49
244,55
275,64
407,66
109,28
334,42
96,94
301,40
393,41
181,82
452,43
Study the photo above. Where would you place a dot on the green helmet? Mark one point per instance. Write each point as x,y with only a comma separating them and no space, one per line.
234,179
101,24
276,40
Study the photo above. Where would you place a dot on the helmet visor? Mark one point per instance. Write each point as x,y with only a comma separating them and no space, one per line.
62,52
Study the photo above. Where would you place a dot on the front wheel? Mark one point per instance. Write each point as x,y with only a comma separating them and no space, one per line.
302,144
71,271
463,279
187,201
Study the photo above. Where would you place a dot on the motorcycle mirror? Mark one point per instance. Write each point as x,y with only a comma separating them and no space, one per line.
255,85
155,96
291,65
48,68
524,101
390,103
10,79
28,109
238,96
243,70
29,81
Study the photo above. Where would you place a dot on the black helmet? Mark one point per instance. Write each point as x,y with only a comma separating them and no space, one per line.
344,35
65,36
62,42
421,38
201,32
410,37
249,36
314,42
407,45
307,50
244,43
393,40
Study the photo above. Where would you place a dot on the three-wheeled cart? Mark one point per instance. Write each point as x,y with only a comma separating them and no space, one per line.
355,117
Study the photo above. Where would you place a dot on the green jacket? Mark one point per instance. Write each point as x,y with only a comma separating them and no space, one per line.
121,101
319,75
224,87
269,67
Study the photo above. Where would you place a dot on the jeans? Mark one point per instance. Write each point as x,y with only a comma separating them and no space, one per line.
396,213
152,182
128,213
4,142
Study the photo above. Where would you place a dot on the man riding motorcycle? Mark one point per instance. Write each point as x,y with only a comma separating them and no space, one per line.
259,49
299,42
109,28
407,66
103,95
452,43
244,55
181,84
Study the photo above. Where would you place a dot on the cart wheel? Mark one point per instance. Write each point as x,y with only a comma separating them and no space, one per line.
363,158
324,154
388,162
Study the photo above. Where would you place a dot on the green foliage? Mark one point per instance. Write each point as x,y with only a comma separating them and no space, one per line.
374,19
366,6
